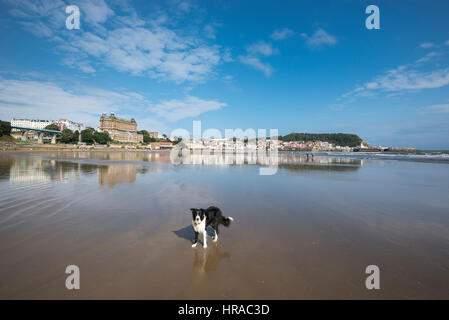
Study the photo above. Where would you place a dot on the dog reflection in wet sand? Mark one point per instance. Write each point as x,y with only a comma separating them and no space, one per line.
203,218
205,261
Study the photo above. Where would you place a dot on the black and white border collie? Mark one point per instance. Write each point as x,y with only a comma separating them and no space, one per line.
201,219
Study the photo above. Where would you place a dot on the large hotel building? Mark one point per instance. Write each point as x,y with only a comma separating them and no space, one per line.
120,129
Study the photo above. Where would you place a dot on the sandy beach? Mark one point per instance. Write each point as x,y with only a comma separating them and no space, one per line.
307,232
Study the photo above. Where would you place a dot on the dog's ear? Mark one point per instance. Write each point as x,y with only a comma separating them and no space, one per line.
192,209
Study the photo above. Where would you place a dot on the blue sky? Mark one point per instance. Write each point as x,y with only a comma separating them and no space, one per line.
303,66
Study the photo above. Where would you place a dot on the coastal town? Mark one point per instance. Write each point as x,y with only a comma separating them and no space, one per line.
119,133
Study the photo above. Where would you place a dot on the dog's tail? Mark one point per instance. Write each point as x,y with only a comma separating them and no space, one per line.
226,221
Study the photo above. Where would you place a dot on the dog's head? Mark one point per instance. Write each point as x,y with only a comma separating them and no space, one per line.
198,215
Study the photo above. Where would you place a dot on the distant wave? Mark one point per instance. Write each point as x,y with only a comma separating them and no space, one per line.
428,156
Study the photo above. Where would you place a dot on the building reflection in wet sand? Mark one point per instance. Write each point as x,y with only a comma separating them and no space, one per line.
117,173
36,169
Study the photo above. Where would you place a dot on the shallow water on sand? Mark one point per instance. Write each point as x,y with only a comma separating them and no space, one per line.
307,232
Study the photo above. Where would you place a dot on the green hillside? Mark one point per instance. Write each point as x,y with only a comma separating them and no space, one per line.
341,139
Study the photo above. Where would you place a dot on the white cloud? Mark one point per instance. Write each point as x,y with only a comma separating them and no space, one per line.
282,34
43,18
252,58
397,79
95,11
227,55
46,100
257,64
184,6
125,43
261,48
447,43
419,75
159,53
191,106
427,57
319,38
209,31
427,45
437,108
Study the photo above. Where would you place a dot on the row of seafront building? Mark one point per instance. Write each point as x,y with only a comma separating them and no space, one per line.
312,146
124,130
239,145
119,129
41,124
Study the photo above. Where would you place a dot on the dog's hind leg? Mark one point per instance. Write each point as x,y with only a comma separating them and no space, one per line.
196,240
216,233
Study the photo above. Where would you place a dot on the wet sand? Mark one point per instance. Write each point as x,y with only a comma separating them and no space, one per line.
307,232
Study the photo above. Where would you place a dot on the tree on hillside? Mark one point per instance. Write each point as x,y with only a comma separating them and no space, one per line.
5,128
67,136
87,136
52,126
147,139
143,132
76,135
102,137
341,139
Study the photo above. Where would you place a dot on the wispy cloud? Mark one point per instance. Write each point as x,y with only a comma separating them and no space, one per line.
261,48
419,75
126,43
436,108
409,79
253,53
282,34
427,57
427,45
190,106
183,6
95,12
257,64
320,38
47,100
209,31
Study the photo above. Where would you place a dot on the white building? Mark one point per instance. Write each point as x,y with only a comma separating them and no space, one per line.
67,124
30,123
41,124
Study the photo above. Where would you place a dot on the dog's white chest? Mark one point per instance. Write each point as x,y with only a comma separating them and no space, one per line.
200,227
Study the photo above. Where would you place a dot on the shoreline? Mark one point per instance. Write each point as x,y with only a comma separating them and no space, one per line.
437,157
8,146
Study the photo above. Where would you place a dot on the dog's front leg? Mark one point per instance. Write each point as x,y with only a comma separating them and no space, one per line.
204,239
196,240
